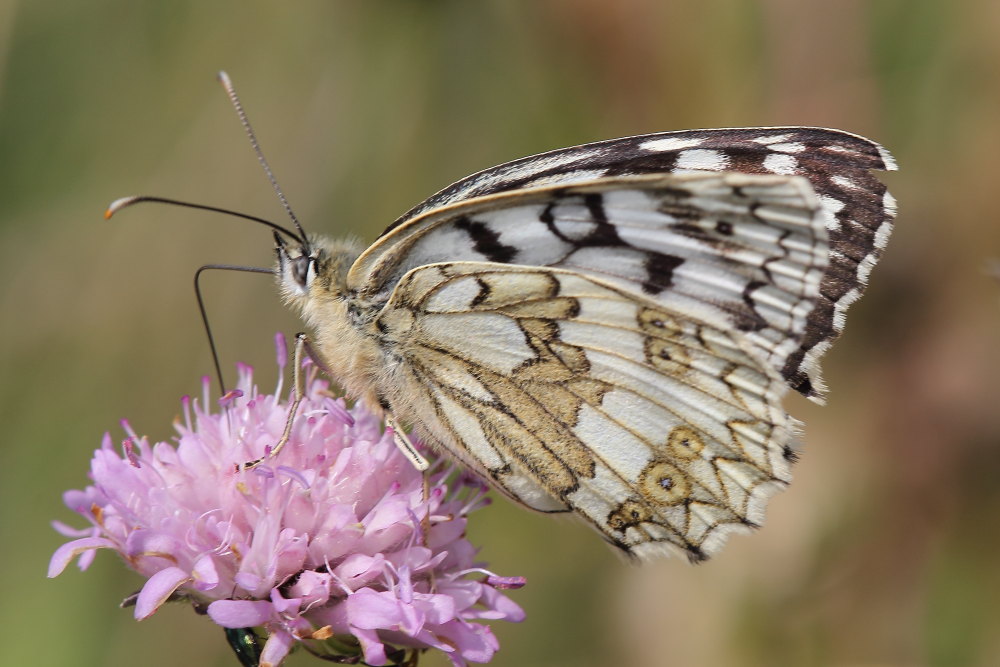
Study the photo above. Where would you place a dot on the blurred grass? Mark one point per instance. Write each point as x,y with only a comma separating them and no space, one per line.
881,553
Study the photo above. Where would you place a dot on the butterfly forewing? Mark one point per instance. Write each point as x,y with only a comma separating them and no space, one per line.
837,164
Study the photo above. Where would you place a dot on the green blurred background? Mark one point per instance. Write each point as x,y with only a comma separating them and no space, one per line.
883,551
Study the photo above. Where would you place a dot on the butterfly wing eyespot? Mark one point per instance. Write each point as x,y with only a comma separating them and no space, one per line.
608,329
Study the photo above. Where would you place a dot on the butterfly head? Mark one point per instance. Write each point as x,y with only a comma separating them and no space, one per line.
313,273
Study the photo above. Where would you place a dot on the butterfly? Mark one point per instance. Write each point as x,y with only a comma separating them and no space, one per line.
609,329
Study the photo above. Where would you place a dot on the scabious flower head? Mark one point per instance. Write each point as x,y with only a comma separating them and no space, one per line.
333,544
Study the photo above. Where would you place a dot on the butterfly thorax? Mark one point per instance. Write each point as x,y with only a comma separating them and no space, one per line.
313,280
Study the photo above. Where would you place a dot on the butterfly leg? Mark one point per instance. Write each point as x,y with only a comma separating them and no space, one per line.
298,391
299,387
404,444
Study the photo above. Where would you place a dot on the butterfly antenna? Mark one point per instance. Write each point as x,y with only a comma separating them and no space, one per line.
227,84
125,202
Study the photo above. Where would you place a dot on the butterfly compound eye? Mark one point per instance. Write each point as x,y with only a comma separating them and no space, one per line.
303,270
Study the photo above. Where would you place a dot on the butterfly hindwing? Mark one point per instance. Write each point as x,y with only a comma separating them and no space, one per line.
570,394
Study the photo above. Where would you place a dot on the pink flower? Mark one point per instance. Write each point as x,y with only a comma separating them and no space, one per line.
331,545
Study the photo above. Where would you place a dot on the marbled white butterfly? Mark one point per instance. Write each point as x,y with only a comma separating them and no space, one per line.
609,329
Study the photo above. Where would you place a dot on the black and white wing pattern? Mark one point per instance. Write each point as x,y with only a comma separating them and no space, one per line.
609,329
858,208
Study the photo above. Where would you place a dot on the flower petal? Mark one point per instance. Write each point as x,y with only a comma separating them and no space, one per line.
69,531
370,610
436,608
285,606
156,591
373,649
475,643
206,576
240,613
67,552
276,648
499,606
312,587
